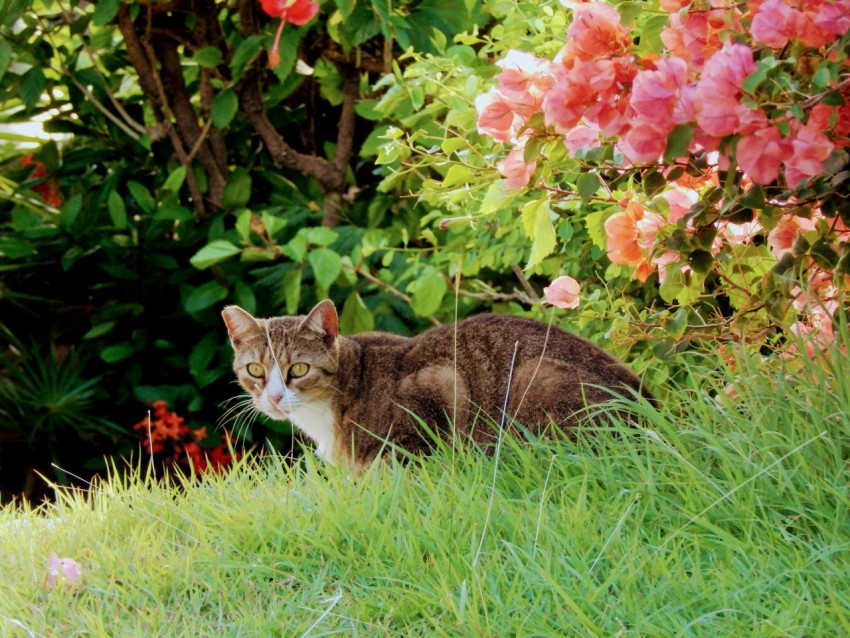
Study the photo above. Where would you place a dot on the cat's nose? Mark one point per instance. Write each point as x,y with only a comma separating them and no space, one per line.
276,398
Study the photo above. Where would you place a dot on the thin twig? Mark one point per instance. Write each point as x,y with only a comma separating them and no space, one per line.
389,288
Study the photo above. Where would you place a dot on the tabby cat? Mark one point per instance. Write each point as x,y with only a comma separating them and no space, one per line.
355,395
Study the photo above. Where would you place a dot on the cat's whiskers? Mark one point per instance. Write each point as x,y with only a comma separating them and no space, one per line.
241,414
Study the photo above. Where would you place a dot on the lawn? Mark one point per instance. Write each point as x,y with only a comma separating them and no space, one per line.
719,517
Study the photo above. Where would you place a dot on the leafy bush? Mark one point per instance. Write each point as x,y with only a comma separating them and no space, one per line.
184,174
704,154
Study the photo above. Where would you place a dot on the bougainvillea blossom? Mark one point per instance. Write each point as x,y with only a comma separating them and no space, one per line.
563,292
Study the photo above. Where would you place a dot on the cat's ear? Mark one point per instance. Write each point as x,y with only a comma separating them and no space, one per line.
323,319
239,323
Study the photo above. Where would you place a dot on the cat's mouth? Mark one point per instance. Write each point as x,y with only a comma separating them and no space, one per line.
276,411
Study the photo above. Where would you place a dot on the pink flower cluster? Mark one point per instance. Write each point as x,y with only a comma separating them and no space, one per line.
598,91
602,90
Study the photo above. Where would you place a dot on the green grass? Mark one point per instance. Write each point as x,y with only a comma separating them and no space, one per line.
721,518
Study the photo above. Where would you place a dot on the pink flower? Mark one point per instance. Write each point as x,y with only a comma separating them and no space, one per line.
563,105
725,71
810,149
581,137
773,23
671,6
833,17
680,203
495,116
621,228
563,292
297,12
781,239
655,92
717,114
515,170
62,571
647,228
761,153
596,32
523,73
643,143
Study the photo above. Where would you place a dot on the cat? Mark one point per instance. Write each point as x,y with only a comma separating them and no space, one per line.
354,396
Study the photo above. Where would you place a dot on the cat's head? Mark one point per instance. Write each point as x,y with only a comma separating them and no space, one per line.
285,363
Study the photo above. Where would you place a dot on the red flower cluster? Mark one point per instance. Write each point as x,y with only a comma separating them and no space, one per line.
297,12
169,434
48,188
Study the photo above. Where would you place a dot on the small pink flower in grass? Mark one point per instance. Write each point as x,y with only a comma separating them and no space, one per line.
297,12
62,571
563,292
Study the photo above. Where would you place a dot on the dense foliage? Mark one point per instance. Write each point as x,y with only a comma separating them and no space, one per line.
674,171
175,147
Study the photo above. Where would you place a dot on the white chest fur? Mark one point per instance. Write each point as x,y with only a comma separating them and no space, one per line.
317,422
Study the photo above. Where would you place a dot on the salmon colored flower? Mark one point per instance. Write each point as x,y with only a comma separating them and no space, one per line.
516,170
562,292
297,12
621,228
781,239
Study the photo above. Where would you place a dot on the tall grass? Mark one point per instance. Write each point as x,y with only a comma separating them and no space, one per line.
720,517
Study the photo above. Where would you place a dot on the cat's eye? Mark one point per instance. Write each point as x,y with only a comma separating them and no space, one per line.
256,370
298,370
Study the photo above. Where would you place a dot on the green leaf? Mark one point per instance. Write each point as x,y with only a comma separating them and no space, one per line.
117,210
366,110
326,266
319,235
650,35
5,57
355,316
345,7
119,352
32,86
243,225
701,261
426,293
224,107
498,197
537,221
678,323
203,354
214,252
237,192
105,11
587,185
244,297
457,174
678,142
142,196
100,329
70,211
205,296
208,56
246,50
175,179
673,283
595,223
292,290
629,12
